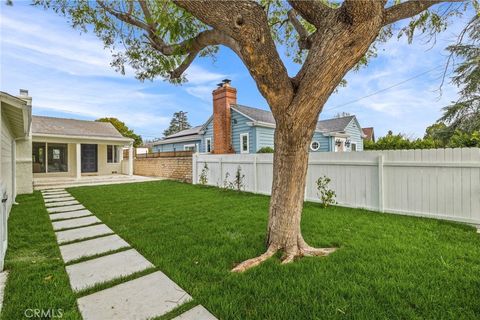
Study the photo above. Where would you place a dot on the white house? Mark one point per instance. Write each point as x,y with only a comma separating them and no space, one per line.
34,147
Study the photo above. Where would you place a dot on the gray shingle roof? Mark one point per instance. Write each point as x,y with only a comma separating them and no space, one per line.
73,127
329,125
186,132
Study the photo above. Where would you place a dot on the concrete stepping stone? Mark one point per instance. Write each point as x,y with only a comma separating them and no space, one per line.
52,193
61,203
60,195
71,214
65,208
82,233
61,199
92,247
197,313
74,223
86,274
143,298
52,189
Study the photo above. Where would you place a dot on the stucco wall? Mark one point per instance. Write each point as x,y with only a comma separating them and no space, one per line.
105,168
176,168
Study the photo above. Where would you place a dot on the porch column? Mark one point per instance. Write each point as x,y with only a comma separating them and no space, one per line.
79,160
130,160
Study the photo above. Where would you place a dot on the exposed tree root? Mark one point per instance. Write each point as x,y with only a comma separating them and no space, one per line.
250,263
304,251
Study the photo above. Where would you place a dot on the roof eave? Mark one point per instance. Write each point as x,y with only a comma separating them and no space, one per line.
18,106
81,137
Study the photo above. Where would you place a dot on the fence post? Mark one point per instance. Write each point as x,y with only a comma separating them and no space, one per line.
305,192
221,170
380,184
255,188
194,168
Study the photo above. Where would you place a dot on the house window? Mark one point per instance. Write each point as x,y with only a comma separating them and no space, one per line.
189,147
244,143
315,145
113,154
208,145
353,146
39,157
57,157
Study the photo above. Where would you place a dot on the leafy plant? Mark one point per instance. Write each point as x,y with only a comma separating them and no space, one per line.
203,180
265,150
238,182
326,195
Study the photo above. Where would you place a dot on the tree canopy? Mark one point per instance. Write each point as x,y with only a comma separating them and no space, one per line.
464,114
124,130
178,123
162,38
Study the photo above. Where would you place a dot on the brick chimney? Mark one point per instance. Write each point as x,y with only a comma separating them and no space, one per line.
223,97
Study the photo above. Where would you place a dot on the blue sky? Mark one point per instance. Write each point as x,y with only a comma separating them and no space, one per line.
68,74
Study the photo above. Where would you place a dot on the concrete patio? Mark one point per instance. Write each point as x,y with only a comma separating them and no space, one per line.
67,182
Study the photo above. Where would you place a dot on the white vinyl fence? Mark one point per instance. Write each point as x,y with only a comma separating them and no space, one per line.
437,183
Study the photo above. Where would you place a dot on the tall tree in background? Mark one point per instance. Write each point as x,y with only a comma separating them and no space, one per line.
124,130
328,38
464,114
178,123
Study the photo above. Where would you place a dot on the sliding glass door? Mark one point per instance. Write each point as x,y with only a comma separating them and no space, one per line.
49,157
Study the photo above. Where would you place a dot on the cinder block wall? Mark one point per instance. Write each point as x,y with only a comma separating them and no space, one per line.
177,168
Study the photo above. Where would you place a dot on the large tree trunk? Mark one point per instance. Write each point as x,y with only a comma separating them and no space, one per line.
290,163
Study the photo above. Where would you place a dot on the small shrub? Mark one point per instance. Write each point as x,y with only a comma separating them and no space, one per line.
265,150
326,195
203,180
226,183
238,182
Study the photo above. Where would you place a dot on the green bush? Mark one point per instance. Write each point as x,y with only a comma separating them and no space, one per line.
326,195
265,150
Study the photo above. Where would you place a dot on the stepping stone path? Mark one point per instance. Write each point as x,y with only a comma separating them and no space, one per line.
71,214
98,256
61,203
74,223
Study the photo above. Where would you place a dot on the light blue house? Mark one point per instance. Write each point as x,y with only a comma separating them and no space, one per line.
235,128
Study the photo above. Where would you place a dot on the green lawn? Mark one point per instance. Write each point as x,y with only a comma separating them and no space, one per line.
388,266
37,278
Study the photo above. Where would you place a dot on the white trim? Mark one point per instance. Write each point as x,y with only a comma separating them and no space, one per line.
185,146
243,114
311,145
207,141
36,136
241,142
351,146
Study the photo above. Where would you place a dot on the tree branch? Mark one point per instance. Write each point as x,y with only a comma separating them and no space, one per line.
190,47
246,22
177,73
409,9
358,11
313,11
303,41
125,17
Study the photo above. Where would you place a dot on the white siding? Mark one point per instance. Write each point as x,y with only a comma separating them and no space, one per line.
6,176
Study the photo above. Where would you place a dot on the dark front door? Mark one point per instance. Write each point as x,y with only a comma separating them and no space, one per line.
89,158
